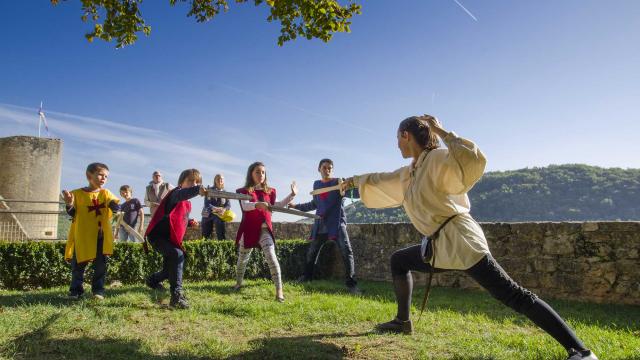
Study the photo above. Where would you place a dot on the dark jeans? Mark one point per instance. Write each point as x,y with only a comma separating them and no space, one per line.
172,264
99,272
490,275
345,250
207,224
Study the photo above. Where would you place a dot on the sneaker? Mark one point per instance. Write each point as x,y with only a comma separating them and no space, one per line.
581,355
237,287
280,299
397,326
178,301
98,297
153,285
353,290
303,279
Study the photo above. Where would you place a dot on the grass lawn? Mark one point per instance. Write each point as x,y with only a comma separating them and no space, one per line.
318,321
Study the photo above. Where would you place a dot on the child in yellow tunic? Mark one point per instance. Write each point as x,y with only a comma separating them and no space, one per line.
90,237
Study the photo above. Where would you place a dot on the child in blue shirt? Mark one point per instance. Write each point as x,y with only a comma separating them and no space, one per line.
332,225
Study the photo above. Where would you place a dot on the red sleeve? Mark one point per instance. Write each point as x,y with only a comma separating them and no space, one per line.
272,196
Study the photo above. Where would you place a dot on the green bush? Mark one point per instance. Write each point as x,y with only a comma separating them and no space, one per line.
40,264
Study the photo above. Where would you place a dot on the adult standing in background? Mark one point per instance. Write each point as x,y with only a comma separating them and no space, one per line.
156,190
212,210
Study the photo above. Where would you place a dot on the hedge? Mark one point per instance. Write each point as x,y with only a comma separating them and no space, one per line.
41,264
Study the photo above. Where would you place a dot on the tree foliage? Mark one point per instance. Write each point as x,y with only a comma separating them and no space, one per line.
553,193
122,21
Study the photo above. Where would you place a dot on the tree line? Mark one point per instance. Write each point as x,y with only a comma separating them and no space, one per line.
572,192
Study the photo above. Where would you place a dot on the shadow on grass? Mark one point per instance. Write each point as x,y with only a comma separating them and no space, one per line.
38,344
474,302
223,289
298,347
52,297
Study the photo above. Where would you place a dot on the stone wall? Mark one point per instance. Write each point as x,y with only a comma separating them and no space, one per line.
591,261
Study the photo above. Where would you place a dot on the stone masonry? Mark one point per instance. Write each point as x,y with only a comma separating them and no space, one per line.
592,261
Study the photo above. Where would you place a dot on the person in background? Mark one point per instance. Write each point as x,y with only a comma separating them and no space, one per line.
155,191
133,214
212,212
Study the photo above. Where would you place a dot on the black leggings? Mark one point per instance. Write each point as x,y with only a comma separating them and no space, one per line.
488,273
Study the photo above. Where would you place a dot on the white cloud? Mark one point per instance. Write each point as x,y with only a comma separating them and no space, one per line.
134,152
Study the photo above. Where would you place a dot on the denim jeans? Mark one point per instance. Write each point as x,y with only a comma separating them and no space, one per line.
208,223
172,264
124,236
99,272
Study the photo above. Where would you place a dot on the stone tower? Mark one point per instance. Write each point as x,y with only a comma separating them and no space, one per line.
30,169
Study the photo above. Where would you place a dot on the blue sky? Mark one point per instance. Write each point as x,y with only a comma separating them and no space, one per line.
533,83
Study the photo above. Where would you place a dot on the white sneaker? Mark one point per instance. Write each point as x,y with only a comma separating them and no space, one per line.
581,355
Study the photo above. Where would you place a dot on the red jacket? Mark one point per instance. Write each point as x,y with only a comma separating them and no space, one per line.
178,219
251,224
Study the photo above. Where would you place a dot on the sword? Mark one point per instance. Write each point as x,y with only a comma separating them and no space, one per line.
293,212
330,188
130,230
126,227
212,193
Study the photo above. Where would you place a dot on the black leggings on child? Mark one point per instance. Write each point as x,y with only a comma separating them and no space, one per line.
488,273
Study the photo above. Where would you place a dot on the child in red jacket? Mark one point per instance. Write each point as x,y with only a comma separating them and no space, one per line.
166,231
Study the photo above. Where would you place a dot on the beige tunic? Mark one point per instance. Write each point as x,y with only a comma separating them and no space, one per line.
433,191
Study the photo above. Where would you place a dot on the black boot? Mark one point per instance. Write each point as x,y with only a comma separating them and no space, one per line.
396,326
178,300
152,284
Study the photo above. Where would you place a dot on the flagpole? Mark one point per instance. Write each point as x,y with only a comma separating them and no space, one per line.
39,118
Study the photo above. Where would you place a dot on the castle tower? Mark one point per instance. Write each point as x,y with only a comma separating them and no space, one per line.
30,169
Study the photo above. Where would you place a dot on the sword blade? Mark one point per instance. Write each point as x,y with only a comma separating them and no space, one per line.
325,189
213,193
294,212
130,230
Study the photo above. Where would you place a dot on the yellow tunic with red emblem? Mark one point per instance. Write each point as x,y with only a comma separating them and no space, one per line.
92,214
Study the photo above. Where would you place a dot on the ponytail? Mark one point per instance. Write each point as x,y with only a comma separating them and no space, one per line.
420,131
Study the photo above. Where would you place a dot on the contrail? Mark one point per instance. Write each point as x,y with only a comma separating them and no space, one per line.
465,10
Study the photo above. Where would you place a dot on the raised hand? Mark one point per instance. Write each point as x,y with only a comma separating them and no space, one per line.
347,184
434,125
68,197
294,188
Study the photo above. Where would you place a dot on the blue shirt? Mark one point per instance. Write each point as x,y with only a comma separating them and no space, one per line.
330,207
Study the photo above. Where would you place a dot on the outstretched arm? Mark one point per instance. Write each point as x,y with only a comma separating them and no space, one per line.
380,190
308,206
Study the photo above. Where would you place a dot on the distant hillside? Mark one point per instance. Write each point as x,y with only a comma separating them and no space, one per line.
553,193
